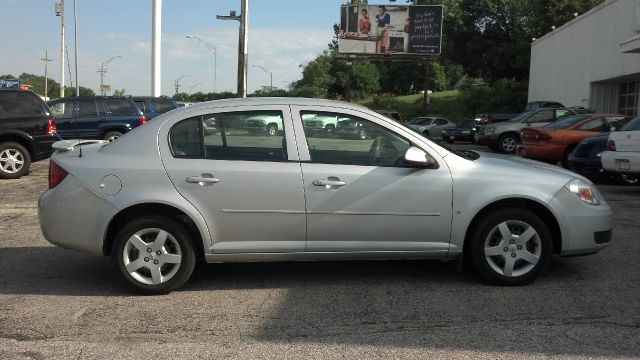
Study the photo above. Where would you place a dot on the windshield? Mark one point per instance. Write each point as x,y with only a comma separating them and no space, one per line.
522,116
632,125
566,122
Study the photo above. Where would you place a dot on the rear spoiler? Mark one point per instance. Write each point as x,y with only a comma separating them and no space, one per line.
69,145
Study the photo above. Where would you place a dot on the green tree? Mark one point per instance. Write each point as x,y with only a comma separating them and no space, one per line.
119,93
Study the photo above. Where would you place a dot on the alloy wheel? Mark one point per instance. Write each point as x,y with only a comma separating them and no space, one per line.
509,144
512,248
11,161
152,256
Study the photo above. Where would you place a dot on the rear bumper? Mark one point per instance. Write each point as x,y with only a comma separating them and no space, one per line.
610,160
73,217
547,152
42,146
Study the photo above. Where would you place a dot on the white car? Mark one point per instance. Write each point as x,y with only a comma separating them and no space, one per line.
623,149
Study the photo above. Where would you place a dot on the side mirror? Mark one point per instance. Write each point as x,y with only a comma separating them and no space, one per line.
419,157
612,128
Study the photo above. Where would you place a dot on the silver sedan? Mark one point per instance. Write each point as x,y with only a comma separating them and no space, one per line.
168,193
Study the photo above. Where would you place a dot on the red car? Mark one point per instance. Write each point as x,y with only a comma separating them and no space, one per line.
556,141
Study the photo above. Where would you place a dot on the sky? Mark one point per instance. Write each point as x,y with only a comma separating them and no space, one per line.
283,34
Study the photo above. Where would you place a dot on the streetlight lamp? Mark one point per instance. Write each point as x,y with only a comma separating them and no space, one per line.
215,57
194,85
103,70
176,84
267,72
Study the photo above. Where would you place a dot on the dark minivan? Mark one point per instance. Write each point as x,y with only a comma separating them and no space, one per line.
95,117
27,132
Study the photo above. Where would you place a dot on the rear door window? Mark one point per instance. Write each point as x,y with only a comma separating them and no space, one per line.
87,108
121,107
62,109
163,105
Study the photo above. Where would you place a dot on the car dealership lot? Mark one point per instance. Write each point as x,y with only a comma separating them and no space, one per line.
59,303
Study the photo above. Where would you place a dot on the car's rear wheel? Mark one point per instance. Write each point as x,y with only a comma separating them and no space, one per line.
508,143
15,160
154,254
426,133
510,247
112,135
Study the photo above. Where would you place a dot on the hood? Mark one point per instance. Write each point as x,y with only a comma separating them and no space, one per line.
536,168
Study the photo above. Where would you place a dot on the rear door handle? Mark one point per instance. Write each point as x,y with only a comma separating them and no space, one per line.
330,182
204,179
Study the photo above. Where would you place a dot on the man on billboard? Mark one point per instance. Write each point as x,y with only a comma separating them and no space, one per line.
383,20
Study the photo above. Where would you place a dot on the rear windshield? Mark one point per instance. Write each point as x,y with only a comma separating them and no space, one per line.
566,122
121,107
633,125
17,104
164,105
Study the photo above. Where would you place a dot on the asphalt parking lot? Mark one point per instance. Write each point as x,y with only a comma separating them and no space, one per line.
56,303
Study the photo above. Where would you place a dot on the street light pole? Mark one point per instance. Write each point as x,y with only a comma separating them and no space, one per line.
46,76
215,57
268,72
103,70
177,82
75,44
193,86
242,45
59,8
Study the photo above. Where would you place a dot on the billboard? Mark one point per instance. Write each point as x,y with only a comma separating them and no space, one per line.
10,84
386,30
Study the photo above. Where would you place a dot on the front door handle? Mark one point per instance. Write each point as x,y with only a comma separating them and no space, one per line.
204,179
330,182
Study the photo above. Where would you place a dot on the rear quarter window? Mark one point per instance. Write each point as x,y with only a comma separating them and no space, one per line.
121,107
162,106
18,104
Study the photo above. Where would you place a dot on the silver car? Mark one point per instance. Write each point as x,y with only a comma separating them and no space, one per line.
168,193
430,126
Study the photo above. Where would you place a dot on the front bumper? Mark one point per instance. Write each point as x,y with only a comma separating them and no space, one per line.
486,139
581,225
74,217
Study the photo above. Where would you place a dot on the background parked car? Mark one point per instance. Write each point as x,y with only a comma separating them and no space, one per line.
393,115
317,122
95,117
154,106
623,149
505,136
466,131
556,141
430,126
265,123
535,105
586,161
27,131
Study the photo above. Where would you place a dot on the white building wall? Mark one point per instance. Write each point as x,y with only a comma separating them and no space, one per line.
566,61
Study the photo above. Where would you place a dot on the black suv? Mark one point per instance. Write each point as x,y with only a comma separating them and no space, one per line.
26,132
95,117
154,106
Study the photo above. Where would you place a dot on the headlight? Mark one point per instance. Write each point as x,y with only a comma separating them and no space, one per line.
599,154
489,130
584,191
444,131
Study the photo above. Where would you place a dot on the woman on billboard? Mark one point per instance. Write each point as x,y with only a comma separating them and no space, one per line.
364,25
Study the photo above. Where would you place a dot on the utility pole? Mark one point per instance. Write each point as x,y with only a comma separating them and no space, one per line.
425,97
75,42
59,9
46,78
102,70
176,84
242,45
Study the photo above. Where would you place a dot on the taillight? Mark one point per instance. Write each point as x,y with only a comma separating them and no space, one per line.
56,174
51,127
611,145
142,120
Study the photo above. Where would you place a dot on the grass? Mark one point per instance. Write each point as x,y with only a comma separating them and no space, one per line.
447,104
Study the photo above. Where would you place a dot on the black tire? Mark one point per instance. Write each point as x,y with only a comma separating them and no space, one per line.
485,235
178,244
565,157
628,179
449,141
15,160
111,135
426,133
507,143
272,130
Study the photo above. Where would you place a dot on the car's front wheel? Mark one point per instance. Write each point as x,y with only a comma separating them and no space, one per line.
112,135
508,143
510,247
154,254
15,160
